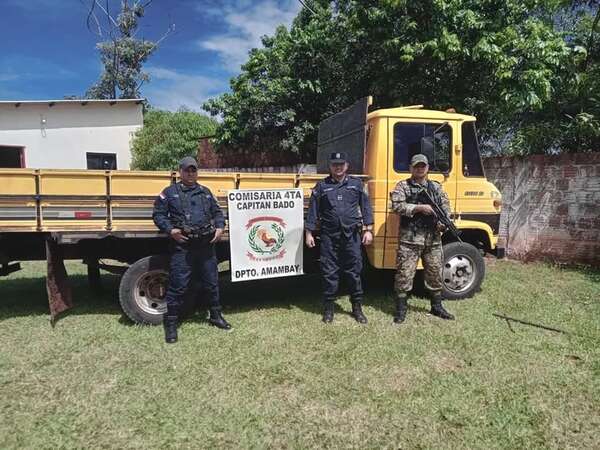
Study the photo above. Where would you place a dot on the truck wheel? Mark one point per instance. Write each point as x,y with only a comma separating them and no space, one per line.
463,270
143,288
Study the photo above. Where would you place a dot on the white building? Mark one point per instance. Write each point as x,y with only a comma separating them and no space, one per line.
68,134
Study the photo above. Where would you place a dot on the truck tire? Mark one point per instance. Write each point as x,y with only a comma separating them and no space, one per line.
462,272
142,290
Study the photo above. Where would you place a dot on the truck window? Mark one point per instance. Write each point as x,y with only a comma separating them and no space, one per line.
472,166
413,138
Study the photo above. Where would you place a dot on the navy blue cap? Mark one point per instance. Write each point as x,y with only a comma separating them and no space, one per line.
338,157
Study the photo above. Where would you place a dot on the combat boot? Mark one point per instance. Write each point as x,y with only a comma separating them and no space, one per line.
357,313
438,310
401,308
170,325
328,312
216,319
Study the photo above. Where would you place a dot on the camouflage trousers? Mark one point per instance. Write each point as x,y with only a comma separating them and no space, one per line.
406,264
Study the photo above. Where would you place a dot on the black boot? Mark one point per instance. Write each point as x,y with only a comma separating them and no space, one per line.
216,319
328,312
170,325
357,313
438,310
401,308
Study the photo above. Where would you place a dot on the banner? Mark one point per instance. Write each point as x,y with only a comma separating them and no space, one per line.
266,233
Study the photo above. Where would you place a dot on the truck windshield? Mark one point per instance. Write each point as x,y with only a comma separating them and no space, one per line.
409,140
472,166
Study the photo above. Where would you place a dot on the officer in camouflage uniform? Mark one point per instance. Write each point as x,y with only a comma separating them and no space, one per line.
419,236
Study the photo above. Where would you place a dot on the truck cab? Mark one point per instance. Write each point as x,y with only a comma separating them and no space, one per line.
382,142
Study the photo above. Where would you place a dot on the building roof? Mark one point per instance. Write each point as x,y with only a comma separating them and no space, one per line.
82,101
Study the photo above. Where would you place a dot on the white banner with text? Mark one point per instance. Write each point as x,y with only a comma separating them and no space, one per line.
266,233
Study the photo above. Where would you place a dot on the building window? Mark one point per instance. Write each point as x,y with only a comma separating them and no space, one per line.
101,161
12,157
431,139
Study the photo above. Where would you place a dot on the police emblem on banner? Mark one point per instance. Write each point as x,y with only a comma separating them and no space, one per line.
266,238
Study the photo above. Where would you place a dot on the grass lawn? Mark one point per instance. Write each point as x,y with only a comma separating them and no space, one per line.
283,379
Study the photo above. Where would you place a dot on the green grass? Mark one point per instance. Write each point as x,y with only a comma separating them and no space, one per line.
283,379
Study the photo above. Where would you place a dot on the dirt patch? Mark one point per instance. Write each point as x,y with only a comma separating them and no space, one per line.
445,362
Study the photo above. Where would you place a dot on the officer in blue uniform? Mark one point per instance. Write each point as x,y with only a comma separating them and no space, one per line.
341,206
190,215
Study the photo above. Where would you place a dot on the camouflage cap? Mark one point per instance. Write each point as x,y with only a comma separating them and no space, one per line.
418,158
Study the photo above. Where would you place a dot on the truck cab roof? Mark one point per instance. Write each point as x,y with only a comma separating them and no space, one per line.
417,112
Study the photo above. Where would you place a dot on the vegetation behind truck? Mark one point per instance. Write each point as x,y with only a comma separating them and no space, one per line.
98,215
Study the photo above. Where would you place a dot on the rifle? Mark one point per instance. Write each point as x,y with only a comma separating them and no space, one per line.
441,216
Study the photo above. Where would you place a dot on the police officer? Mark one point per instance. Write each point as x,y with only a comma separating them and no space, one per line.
190,215
419,236
341,205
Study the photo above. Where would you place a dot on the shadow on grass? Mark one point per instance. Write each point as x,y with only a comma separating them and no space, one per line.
24,297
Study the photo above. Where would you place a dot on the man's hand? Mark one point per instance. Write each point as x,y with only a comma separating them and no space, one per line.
425,209
367,237
177,234
310,240
217,237
441,227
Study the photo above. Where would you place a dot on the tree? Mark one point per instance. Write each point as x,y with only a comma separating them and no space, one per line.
570,121
501,60
167,137
123,54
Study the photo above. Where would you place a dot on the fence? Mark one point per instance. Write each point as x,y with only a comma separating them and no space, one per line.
551,206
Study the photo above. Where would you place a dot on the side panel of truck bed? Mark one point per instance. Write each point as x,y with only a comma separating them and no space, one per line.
88,200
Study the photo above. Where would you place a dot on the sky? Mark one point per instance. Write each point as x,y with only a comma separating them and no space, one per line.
47,51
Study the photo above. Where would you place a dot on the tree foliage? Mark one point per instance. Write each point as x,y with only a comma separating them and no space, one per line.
167,137
570,120
505,61
122,54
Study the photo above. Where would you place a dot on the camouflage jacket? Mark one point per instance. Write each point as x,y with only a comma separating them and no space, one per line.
404,201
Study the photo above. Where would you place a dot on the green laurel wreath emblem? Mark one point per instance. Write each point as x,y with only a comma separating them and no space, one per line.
254,246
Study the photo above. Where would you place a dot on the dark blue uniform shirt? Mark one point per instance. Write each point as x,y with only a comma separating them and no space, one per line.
339,206
169,208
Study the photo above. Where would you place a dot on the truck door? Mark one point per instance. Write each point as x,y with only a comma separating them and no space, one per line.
407,137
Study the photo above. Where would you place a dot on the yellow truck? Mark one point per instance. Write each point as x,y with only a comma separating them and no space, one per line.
106,215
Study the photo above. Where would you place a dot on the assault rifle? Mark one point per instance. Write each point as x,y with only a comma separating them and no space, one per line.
441,216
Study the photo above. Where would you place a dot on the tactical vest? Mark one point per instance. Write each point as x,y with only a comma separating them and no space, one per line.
416,196
186,207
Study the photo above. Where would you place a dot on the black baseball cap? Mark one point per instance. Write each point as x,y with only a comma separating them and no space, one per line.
188,161
338,157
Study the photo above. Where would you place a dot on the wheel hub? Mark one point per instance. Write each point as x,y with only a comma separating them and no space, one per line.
150,290
459,273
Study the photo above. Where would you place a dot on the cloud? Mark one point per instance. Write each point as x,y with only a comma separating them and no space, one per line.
245,23
170,89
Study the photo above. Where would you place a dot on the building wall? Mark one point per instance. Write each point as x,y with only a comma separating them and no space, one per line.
551,206
69,132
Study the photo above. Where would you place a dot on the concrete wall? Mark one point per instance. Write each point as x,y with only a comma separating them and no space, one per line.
70,131
551,206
